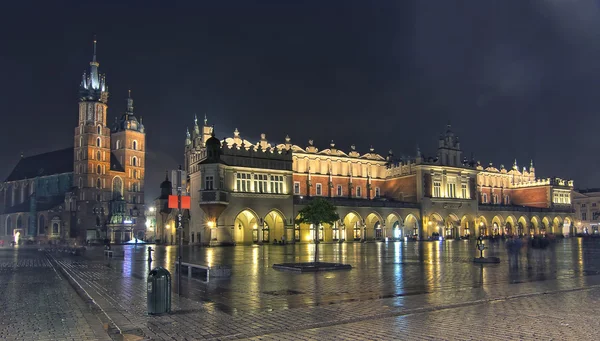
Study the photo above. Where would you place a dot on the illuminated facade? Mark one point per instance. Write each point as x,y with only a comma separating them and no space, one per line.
92,191
586,203
245,192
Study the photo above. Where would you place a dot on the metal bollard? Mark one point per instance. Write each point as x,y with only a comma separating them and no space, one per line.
150,254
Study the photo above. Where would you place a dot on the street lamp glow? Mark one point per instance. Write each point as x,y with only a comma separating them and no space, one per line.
152,209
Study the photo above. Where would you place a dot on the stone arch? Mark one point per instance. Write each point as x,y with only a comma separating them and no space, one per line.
545,227
117,187
246,227
435,225
8,226
374,226
451,226
467,224
352,226
482,226
535,225
568,226
394,226
522,225
497,227
511,227
273,226
411,225
556,226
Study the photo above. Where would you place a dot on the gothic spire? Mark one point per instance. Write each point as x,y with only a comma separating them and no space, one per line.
129,103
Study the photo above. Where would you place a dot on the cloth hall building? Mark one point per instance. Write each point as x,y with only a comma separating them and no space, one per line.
88,192
247,192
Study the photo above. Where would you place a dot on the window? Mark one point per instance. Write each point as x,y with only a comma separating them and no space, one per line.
277,184
118,145
296,188
484,198
134,161
506,200
135,175
451,190
134,145
99,130
80,183
583,215
437,189
377,192
319,189
208,182
98,156
594,204
339,191
494,198
98,183
99,169
358,193
243,182
464,191
98,142
81,142
260,183
582,205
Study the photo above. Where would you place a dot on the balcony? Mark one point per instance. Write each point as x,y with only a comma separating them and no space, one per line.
208,197
213,203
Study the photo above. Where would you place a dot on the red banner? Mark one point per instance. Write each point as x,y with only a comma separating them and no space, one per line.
186,202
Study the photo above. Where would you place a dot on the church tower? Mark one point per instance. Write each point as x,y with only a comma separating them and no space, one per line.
92,137
129,148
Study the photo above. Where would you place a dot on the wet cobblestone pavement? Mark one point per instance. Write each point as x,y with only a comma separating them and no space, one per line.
38,304
427,290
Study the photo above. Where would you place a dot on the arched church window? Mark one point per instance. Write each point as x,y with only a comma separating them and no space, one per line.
9,228
99,170
81,142
98,156
135,173
134,145
117,188
98,183
99,130
98,142
134,161
80,183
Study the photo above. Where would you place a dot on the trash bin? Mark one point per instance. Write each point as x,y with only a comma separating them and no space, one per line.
159,291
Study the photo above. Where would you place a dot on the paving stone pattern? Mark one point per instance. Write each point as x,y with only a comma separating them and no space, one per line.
38,304
426,293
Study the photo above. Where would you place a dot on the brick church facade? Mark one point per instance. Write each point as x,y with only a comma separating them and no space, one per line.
89,192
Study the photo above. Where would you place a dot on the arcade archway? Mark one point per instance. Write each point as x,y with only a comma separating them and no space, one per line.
246,228
353,227
273,226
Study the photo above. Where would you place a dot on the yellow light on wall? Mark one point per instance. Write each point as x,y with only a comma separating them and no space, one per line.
211,224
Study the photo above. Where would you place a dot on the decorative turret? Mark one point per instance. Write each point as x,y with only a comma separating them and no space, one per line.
531,168
166,187
128,121
196,127
188,138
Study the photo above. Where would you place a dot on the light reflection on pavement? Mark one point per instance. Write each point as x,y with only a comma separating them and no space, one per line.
381,270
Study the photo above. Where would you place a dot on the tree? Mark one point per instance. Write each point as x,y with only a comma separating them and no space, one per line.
318,211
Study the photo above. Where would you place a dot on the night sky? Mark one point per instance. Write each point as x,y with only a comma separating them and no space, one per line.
516,79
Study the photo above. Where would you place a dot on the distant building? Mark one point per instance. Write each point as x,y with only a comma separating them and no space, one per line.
587,211
89,192
251,192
